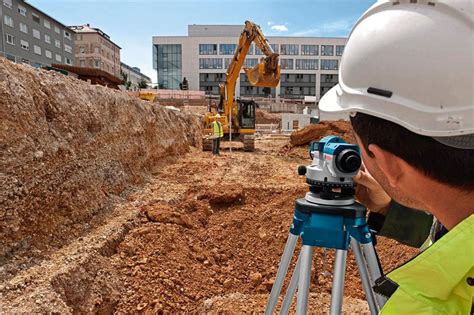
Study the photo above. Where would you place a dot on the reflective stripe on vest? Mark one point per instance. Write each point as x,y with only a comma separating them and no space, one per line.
439,280
217,129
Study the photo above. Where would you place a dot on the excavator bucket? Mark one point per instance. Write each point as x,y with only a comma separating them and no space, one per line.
258,76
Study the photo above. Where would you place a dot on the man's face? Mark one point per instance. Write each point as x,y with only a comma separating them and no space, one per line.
398,193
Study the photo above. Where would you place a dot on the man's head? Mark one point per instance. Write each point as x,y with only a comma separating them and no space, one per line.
415,111
400,160
218,117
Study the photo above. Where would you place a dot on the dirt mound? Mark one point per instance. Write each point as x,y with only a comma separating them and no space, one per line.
68,149
264,117
309,133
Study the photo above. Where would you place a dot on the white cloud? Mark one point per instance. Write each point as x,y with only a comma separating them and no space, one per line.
279,28
334,28
270,23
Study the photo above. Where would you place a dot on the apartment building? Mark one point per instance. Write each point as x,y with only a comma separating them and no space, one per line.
33,37
134,75
309,65
95,49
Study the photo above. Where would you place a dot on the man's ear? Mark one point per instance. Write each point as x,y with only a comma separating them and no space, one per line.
391,165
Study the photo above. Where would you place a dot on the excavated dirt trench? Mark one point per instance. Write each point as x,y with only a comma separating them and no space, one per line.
194,233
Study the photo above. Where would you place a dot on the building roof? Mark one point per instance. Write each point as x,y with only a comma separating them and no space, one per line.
42,12
87,29
135,70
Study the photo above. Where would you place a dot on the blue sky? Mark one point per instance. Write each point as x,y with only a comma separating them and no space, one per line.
132,23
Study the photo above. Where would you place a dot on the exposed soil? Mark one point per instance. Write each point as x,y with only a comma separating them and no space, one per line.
264,117
197,233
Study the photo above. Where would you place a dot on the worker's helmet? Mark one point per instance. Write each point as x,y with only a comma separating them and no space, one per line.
218,116
411,62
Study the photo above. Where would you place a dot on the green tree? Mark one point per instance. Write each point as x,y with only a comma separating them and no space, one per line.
142,84
125,81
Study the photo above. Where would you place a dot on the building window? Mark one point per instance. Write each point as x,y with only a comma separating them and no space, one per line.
10,39
7,3
59,58
47,38
67,48
37,49
227,49
22,10
78,37
210,63
250,62
23,28
48,54
24,45
36,18
36,34
97,63
274,47
82,50
227,62
57,30
47,24
286,64
57,43
96,50
309,50
67,35
167,59
306,64
82,63
208,49
328,64
327,50
11,57
339,50
289,49
68,61
8,21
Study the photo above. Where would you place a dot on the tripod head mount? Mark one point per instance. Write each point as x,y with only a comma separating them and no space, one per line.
334,163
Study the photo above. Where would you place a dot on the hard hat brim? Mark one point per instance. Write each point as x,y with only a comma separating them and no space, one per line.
330,102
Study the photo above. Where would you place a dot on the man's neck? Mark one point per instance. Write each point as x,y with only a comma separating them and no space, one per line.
449,205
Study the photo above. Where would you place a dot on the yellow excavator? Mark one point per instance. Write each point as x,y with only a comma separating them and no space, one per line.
238,116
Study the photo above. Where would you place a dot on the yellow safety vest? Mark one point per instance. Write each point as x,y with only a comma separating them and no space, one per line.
217,129
440,280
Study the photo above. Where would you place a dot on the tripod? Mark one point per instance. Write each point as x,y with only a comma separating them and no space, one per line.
330,225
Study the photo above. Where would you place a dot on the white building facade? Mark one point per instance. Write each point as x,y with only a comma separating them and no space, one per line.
134,75
309,65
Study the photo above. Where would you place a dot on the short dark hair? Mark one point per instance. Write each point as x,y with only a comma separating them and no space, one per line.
440,162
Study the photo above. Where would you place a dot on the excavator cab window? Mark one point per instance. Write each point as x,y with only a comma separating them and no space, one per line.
247,114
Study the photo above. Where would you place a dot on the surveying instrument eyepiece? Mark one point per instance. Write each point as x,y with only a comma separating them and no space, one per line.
329,217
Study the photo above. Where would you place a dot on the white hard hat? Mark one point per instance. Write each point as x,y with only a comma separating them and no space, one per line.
411,62
218,116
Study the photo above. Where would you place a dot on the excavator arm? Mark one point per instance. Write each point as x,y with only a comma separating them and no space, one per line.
266,73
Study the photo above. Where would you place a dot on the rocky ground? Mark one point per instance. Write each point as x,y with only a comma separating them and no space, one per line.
108,205
205,235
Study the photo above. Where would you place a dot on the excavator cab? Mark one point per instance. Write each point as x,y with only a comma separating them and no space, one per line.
247,114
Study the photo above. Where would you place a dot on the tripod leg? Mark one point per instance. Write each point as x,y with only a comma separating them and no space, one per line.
290,291
364,276
374,269
281,273
304,280
337,292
